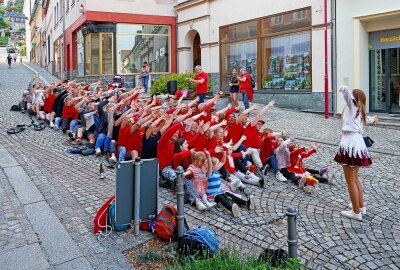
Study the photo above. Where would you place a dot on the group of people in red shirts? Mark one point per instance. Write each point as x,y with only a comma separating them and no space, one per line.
124,125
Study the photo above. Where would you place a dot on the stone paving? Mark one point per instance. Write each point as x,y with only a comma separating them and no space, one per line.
71,187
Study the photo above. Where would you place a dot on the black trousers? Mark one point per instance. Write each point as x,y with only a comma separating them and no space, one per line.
289,175
316,175
239,165
225,200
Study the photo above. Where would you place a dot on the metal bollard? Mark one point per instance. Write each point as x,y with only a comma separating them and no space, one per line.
136,209
292,231
180,216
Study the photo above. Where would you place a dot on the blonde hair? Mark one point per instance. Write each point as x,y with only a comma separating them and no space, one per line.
199,156
267,131
214,161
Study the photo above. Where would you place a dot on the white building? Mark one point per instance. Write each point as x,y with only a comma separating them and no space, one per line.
368,51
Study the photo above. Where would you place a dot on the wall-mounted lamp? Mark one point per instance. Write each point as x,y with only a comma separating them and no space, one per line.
81,9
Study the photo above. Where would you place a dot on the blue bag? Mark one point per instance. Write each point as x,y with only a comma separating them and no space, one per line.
111,219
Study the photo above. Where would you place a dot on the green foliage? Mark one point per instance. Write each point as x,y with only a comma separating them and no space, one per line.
160,85
232,260
3,41
22,50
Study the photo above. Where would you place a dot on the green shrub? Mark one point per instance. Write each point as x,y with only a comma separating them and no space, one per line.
160,84
22,50
231,260
3,41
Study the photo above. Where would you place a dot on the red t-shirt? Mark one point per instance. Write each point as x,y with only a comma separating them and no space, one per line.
70,112
246,84
267,147
202,88
123,135
165,149
235,132
48,103
252,136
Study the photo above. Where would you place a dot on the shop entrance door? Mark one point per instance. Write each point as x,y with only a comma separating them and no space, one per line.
385,80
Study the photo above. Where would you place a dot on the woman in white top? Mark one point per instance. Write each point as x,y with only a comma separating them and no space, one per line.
353,153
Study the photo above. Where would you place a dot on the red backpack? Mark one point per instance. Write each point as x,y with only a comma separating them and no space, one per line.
166,225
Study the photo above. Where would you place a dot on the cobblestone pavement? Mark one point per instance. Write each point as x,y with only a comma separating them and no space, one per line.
71,187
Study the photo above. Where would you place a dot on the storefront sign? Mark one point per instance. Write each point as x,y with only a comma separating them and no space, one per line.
384,39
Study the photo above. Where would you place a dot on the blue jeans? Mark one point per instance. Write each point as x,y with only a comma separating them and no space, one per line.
202,97
145,81
57,121
73,125
246,100
101,140
121,153
242,148
271,160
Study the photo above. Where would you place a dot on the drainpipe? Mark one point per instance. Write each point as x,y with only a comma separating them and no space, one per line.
334,57
63,37
326,58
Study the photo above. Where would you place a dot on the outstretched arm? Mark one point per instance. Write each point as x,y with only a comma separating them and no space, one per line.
261,114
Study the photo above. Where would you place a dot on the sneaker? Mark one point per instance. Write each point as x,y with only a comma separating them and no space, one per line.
308,189
323,171
252,175
261,182
265,169
210,204
247,191
279,176
56,128
302,182
200,205
363,210
352,215
51,125
235,210
70,135
98,152
101,175
250,202
113,160
234,184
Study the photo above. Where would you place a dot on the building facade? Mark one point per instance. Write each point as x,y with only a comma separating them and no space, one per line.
281,45
368,51
17,20
97,39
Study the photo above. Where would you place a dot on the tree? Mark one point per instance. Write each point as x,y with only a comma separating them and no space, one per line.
10,3
20,5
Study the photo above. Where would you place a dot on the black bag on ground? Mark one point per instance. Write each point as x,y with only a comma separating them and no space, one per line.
15,108
274,257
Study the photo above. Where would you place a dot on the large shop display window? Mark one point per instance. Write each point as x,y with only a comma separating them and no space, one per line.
98,54
286,55
143,43
276,50
287,62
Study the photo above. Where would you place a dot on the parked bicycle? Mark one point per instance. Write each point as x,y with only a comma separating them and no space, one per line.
38,126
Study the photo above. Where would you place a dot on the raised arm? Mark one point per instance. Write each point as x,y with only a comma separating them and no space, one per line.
209,163
261,114
245,113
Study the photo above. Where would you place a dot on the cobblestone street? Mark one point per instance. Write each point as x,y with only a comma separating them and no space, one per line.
71,186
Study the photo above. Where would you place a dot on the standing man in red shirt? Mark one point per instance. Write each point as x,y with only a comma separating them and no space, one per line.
201,81
245,87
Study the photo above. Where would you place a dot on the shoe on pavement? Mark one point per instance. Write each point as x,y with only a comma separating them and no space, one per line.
98,152
363,210
51,125
250,202
302,182
101,175
200,205
261,182
265,169
70,135
235,210
279,176
308,189
323,171
252,175
113,160
247,191
352,215
210,204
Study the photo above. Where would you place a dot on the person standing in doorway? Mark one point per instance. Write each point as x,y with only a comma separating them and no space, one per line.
9,60
245,87
201,81
234,88
353,152
144,75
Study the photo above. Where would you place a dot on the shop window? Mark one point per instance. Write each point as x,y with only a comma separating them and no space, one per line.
286,62
240,31
139,43
275,20
290,21
300,15
236,56
98,54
